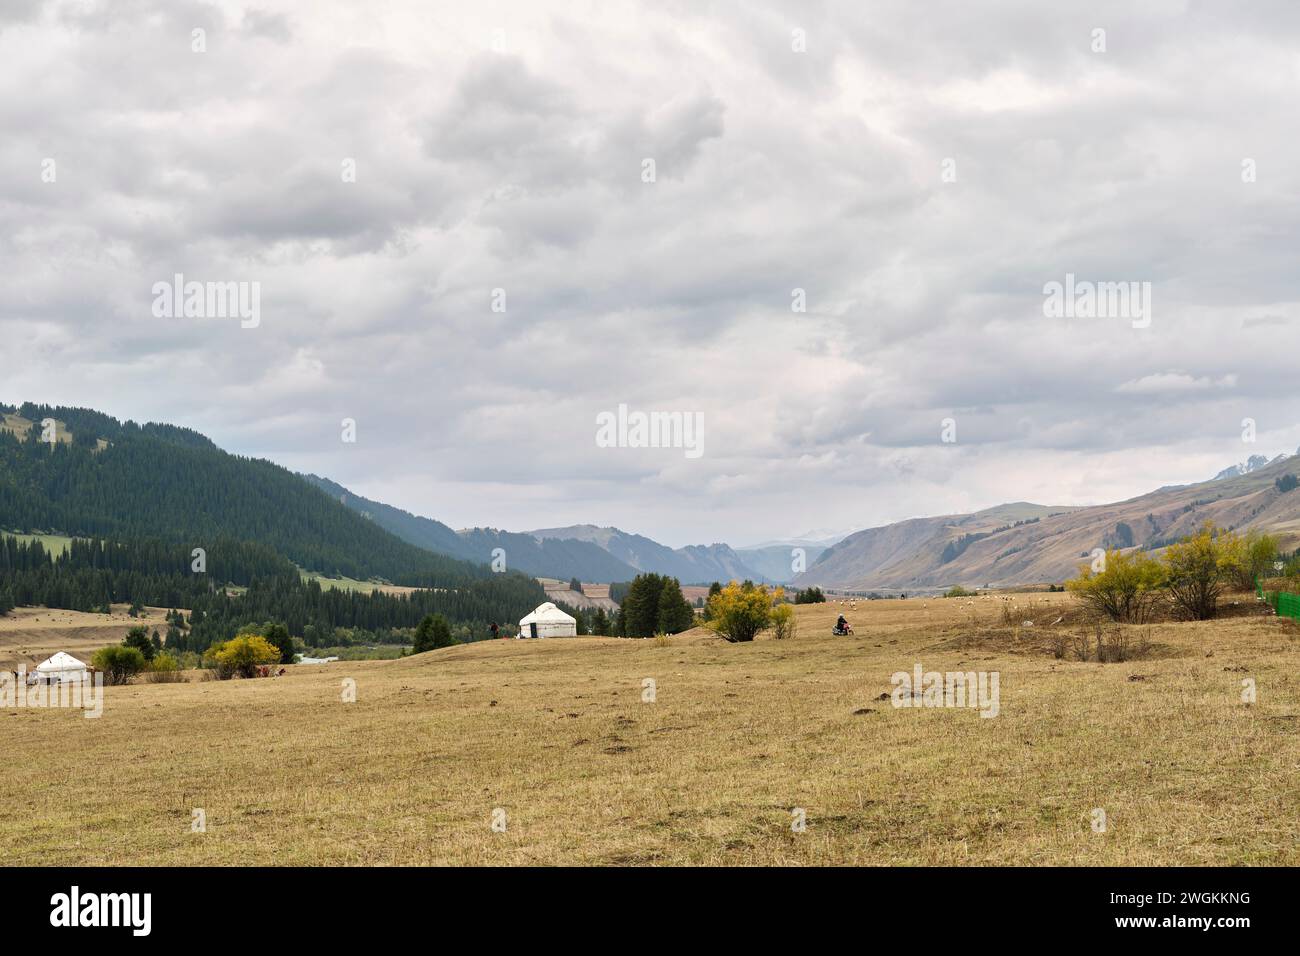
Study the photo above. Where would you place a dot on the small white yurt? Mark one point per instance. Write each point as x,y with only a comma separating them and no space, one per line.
548,621
59,668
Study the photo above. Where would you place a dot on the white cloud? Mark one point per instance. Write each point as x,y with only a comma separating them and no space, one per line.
1168,382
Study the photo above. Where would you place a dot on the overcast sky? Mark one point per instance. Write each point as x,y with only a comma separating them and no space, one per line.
920,170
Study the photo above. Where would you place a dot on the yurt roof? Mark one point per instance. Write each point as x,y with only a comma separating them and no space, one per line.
60,661
547,613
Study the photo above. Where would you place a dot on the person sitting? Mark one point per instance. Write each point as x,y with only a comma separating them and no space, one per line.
842,626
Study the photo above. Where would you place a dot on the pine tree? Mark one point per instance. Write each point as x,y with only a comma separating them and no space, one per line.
433,632
277,635
640,610
674,613
138,638
442,632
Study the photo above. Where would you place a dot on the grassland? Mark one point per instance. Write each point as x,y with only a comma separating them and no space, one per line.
29,635
343,583
557,734
54,543
19,426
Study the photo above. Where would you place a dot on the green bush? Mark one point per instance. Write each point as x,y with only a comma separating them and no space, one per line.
118,664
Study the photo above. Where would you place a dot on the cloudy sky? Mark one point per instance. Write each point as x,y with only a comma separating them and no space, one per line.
919,170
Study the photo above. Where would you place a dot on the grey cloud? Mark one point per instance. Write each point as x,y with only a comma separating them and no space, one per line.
776,170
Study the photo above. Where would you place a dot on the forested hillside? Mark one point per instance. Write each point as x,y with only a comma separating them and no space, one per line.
413,529
93,574
175,485
139,499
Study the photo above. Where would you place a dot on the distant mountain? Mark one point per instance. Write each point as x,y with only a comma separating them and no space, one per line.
1253,463
776,561
1024,544
816,538
549,558
521,552
916,552
421,532
694,564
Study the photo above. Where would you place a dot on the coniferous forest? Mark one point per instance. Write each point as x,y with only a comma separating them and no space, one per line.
139,501
171,483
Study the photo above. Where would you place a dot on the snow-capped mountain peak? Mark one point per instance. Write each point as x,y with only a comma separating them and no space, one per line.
1253,463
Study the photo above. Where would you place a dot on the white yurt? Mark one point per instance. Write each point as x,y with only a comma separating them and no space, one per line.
547,620
59,668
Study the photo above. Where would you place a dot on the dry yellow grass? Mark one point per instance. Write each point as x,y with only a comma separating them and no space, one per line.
20,427
29,635
555,733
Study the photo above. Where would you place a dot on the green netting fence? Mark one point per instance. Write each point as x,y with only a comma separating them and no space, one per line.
1283,602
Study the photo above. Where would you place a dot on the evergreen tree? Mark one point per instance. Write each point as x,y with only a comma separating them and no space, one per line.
600,622
432,632
640,610
277,635
442,632
674,613
654,604
423,635
138,637
810,596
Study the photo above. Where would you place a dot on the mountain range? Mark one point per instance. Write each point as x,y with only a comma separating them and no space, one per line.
113,479
586,552
693,564
553,558
1253,463
1026,543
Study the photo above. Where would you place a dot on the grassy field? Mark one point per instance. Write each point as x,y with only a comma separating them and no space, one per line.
557,736
54,543
361,652
31,634
19,426
342,583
